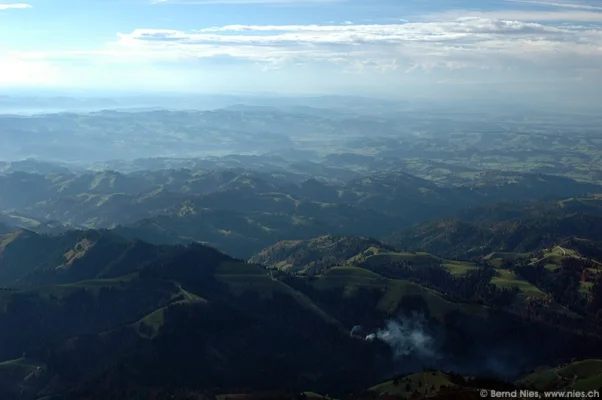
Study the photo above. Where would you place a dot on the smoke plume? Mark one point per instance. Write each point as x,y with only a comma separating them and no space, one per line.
405,337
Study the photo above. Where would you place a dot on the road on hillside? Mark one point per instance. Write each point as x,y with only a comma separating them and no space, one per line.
546,256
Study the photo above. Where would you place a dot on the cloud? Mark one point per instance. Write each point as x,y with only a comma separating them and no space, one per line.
558,5
520,15
12,6
15,71
454,46
467,42
462,43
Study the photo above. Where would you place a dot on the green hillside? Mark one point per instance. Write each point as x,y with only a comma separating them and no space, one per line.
304,248
422,383
506,227
582,375
322,258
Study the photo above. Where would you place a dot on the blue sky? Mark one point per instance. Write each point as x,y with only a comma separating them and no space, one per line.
369,46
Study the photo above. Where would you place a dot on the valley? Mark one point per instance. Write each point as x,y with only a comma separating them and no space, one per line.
298,254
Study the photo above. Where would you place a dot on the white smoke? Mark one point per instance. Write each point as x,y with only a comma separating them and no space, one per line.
405,336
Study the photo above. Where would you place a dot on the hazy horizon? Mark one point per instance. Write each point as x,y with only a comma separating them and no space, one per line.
495,49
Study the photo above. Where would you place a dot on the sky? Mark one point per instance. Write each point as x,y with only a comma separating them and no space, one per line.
392,47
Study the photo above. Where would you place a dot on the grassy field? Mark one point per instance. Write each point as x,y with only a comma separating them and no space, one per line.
423,382
93,286
497,259
415,259
579,375
242,277
351,278
507,279
153,322
421,259
394,291
586,287
551,260
156,319
459,267
6,239
362,271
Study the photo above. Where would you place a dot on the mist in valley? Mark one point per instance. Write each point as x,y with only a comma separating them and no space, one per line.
244,199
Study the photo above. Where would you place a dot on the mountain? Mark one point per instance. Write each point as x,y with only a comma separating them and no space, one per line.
582,375
315,248
501,272
87,309
314,255
109,308
505,227
551,285
241,211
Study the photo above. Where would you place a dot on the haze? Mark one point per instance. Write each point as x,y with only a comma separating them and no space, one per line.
292,200
382,47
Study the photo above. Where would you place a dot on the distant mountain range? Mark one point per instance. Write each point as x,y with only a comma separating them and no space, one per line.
89,309
241,211
322,248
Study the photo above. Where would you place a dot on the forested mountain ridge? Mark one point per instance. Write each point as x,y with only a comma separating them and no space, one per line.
280,248
123,303
83,314
241,211
506,227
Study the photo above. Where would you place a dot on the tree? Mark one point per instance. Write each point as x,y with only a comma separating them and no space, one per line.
596,299
586,275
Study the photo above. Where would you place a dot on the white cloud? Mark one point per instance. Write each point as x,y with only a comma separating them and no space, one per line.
461,43
520,15
456,46
11,6
557,4
16,71
467,42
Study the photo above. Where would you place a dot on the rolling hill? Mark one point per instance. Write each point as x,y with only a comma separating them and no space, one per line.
241,211
101,317
515,227
462,275
87,309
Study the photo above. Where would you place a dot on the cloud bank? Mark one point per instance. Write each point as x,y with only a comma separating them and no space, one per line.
469,42
559,43
11,6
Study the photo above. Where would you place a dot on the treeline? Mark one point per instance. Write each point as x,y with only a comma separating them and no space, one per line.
467,236
474,287
563,285
460,387
317,255
587,248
